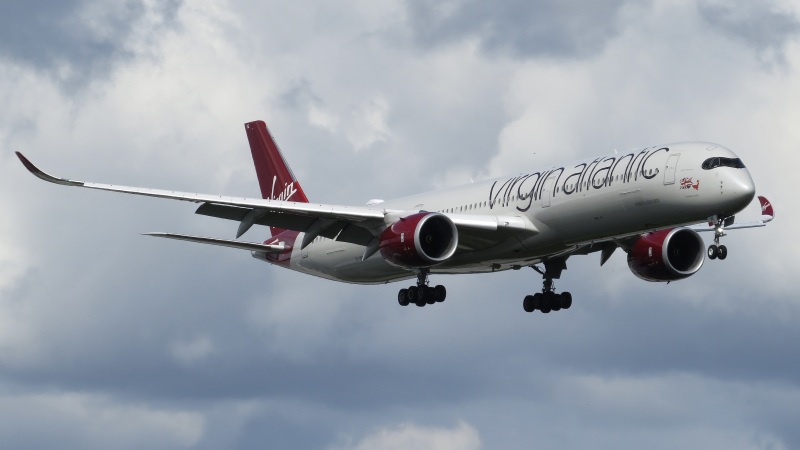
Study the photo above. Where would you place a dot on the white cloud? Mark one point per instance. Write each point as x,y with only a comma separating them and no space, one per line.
407,436
368,124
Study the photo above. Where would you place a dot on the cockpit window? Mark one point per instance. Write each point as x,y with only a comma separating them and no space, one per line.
713,163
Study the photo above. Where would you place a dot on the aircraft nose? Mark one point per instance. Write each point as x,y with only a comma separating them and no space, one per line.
740,190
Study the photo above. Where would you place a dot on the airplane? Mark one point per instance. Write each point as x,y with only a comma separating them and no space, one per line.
650,202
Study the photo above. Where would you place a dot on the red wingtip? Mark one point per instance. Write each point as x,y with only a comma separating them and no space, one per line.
767,212
28,165
43,175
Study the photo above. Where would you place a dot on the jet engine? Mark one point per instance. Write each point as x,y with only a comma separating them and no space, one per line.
666,255
419,240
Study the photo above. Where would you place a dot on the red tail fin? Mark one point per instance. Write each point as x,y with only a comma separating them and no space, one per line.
275,178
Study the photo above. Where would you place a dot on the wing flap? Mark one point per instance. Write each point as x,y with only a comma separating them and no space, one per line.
285,220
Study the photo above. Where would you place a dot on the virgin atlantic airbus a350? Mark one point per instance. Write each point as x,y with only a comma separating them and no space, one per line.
649,202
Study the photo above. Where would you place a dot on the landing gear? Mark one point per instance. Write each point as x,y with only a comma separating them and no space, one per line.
715,250
548,300
422,294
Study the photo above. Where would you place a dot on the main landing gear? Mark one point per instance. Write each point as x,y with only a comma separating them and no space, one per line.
715,250
422,294
548,300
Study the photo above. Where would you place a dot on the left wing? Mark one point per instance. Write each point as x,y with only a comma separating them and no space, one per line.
350,213
357,225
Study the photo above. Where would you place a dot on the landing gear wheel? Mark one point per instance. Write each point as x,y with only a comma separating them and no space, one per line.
422,293
555,301
412,294
439,293
527,304
547,305
402,297
566,300
430,294
538,300
713,252
723,252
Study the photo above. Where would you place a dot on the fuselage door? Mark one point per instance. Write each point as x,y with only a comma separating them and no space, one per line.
547,190
672,165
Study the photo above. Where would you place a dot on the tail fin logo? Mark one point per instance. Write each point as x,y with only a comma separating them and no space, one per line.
284,195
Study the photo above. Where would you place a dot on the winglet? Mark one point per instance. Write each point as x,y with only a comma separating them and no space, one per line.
767,214
45,176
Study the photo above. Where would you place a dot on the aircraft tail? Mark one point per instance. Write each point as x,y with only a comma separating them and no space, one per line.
275,178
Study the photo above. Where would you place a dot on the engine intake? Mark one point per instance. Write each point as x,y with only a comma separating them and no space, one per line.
419,240
667,255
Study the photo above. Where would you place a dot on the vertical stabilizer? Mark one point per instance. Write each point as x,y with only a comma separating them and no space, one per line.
275,178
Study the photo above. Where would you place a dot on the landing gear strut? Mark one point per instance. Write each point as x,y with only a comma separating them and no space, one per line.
422,294
715,250
548,300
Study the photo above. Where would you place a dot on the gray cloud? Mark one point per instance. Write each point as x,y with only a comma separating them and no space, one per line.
73,40
542,28
193,345
763,26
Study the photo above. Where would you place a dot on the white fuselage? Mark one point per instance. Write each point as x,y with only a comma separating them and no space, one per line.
598,199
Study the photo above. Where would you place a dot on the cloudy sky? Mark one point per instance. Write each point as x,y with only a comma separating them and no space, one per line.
112,339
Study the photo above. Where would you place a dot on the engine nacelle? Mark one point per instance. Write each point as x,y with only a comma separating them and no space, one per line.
419,240
667,255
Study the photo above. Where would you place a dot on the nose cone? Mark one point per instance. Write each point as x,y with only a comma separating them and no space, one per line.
738,190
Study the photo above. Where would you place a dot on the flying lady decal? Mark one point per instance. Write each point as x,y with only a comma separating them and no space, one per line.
688,183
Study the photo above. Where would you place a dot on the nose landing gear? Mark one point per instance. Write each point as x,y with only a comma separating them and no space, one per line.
716,250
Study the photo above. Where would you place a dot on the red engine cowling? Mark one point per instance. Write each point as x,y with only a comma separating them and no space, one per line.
419,240
666,255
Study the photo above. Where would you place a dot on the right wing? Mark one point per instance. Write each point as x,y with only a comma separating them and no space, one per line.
767,214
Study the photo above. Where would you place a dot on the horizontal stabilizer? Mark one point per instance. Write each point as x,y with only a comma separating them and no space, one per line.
252,246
